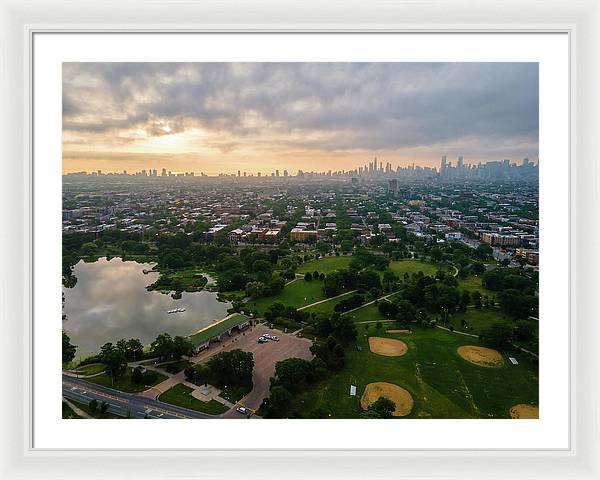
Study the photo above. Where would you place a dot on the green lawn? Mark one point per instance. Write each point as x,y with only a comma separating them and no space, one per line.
325,265
327,307
296,294
181,395
234,394
473,283
478,320
124,382
442,384
400,267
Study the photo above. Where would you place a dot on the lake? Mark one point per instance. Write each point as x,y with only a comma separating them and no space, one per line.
110,302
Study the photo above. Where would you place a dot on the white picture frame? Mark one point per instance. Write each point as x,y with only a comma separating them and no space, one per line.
19,22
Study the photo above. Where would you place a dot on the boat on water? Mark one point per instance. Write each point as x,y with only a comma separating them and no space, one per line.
176,310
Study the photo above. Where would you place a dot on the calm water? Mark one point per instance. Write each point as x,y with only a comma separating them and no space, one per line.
110,302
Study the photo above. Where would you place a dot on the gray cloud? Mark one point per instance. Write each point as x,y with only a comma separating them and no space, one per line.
345,106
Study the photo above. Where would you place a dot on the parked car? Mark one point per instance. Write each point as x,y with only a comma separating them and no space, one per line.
274,338
262,340
241,410
266,335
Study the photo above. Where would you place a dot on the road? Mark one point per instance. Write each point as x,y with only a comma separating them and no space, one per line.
122,403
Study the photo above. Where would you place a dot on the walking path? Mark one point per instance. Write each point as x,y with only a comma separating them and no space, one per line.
327,300
457,332
385,297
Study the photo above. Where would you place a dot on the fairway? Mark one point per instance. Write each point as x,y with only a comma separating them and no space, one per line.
442,384
325,265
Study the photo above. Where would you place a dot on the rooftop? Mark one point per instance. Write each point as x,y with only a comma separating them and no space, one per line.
217,328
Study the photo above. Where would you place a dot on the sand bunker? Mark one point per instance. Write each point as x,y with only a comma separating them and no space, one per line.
482,356
387,346
524,410
401,397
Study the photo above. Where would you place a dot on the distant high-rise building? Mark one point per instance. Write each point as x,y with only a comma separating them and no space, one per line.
277,172
459,163
393,186
164,172
443,164
525,162
285,173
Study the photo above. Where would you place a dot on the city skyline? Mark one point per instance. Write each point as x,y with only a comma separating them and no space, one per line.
224,117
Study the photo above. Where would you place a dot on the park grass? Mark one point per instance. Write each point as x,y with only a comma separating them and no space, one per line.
235,394
478,320
297,294
175,367
329,305
442,384
181,395
473,283
325,265
400,267
124,382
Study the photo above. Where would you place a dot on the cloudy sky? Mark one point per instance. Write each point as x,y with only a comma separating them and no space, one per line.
221,117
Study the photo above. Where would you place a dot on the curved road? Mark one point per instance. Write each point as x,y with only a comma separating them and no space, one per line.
121,403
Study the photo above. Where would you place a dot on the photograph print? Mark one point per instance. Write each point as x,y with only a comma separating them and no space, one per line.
300,240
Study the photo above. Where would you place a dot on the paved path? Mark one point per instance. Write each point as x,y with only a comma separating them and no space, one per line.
457,332
327,300
385,297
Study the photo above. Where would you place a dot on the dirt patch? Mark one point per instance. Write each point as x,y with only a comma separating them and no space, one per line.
482,356
524,410
398,331
387,346
401,397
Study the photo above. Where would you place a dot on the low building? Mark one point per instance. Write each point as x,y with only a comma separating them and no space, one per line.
213,333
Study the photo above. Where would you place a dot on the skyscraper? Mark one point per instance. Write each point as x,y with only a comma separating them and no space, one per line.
443,164
459,164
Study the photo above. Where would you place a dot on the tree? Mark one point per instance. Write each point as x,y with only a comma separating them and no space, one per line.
406,312
182,346
387,309
114,361
476,299
294,374
498,335
162,346
346,245
135,349
278,403
232,368
88,249
308,276
255,289
383,406
93,405
478,268
68,350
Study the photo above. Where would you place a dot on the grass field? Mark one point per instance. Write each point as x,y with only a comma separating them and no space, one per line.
478,320
325,265
401,267
296,294
124,382
442,384
180,395
472,284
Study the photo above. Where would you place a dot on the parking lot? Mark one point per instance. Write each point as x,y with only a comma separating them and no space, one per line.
266,355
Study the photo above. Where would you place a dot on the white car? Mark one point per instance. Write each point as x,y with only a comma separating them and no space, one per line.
266,335
274,338
241,410
262,340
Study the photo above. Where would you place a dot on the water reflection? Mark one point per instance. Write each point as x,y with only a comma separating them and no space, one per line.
110,302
